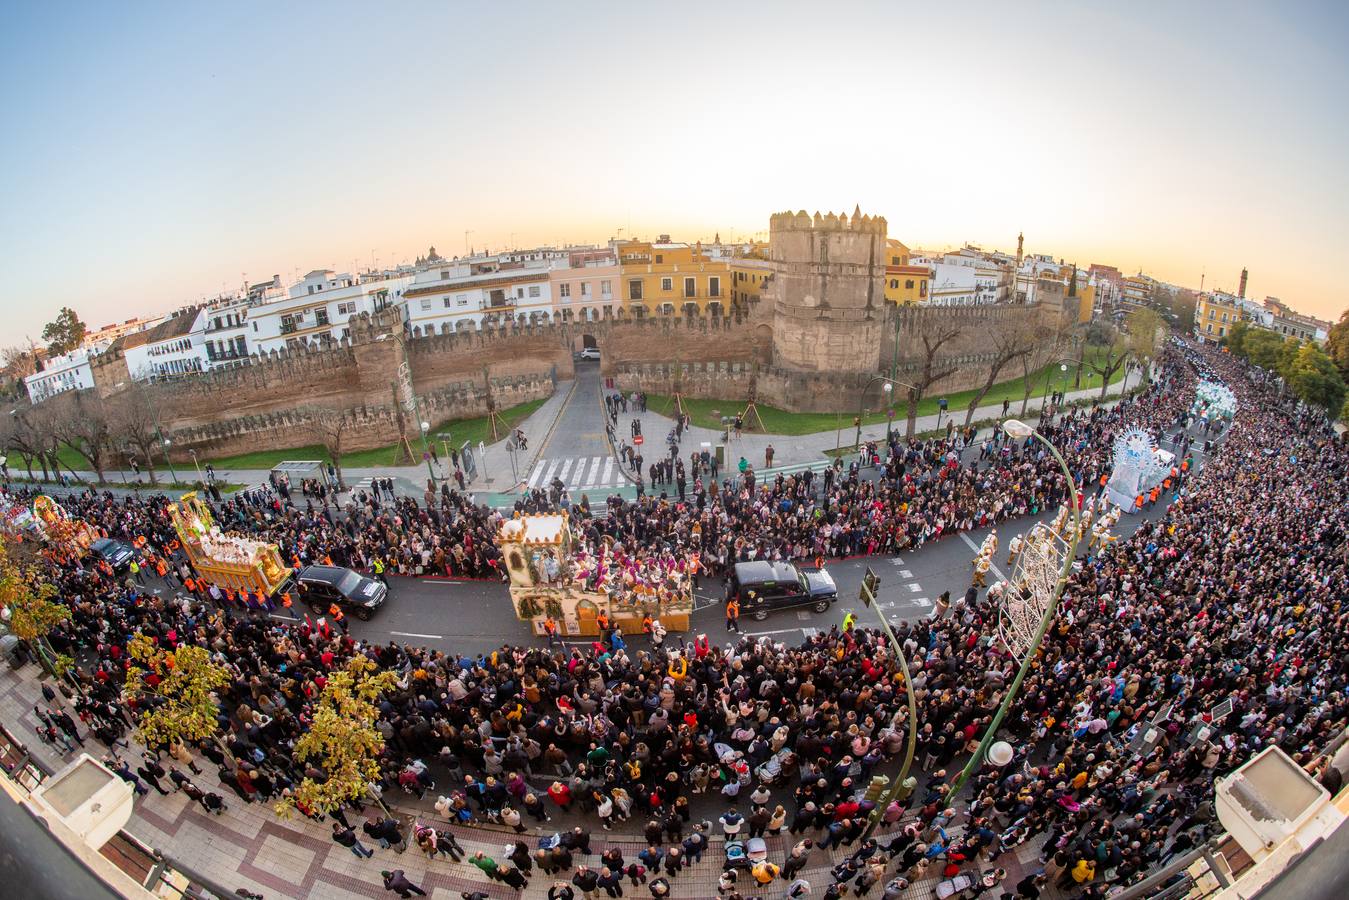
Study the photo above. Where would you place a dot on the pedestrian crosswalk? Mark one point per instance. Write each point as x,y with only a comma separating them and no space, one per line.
578,473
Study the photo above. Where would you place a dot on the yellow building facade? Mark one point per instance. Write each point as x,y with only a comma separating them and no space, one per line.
905,285
1214,316
671,279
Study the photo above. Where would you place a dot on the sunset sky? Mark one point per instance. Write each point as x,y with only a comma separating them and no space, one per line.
154,153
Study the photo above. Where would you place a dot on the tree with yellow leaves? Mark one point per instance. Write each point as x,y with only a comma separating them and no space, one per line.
173,691
342,741
29,610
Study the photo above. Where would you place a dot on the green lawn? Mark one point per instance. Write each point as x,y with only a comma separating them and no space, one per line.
708,413
459,430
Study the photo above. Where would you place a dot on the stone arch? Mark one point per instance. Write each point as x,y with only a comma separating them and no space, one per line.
763,344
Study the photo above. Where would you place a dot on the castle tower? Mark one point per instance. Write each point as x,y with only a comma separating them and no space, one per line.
1241,290
1020,242
828,290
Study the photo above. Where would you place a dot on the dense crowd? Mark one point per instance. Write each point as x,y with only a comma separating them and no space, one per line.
1234,593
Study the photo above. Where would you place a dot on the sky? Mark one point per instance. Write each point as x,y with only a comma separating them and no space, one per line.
155,153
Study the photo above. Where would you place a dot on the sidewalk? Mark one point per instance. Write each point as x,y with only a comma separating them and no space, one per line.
494,482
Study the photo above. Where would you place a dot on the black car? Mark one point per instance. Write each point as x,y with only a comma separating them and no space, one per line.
322,586
115,553
764,587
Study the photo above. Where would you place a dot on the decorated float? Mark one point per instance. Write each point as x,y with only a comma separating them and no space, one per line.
66,539
552,575
227,560
1139,466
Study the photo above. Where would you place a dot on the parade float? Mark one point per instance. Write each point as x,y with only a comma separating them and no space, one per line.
66,539
232,562
1139,466
553,575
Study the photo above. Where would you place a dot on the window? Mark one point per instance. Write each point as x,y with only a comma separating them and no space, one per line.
444,274
605,290
426,303
1221,331
519,293
447,302
714,286
461,299
1210,328
667,284
1212,312
564,291
321,317
690,287
346,309
585,289
659,258
894,282
908,284
534,291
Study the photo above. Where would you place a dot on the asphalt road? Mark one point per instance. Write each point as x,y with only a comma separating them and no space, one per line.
476,616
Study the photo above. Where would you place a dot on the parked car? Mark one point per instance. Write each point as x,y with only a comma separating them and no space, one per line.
322,586
115,553
765,587
589,353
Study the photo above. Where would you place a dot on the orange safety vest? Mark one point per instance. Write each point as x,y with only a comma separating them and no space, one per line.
285,599
550,626
1138,502
733,610
335,612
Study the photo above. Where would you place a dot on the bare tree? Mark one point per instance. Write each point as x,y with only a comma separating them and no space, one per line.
329,427
1116,350
1015,343
80,421
1147,332
933,334
136,423
18,434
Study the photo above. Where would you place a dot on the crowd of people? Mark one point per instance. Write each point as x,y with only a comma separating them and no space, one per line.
1233,594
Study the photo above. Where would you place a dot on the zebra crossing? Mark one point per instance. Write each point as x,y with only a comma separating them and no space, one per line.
578,473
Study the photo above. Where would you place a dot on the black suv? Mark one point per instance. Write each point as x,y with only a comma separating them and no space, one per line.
322,586
763,587
114,552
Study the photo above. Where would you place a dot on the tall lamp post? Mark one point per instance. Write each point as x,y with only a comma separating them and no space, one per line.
1021,431
869,585
426,455
196,464
888,387
168,461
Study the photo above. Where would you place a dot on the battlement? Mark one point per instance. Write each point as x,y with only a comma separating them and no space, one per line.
803,221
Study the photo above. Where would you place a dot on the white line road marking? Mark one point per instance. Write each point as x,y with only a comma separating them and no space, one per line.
595,469
440,581
415,634
284,618
919,601
536,474
914,586
778,631
975,547
905,573
566,466
548,478
896,561
608,469
803,616
810,632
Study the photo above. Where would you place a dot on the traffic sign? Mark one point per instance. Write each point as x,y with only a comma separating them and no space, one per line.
870,581
638,440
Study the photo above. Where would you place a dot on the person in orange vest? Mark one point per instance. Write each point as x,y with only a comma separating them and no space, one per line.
1138,503
733,615
550,631
602,620
335,612
286,599
1153,495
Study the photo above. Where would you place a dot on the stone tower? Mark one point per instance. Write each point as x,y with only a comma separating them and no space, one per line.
1241,291
828,291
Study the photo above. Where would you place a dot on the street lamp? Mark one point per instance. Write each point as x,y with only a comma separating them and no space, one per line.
168,461
426,454
889,385
1021,431
196,464
912,742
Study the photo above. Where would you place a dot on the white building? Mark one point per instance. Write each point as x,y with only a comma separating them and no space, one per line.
70,372
174,347
225,332
316,309
451,296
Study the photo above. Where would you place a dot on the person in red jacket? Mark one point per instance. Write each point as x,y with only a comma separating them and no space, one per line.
560,794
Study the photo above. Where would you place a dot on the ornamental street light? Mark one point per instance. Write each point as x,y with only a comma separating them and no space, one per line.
1021,431
426,455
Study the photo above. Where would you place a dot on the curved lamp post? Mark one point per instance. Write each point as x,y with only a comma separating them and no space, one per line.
1021,431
